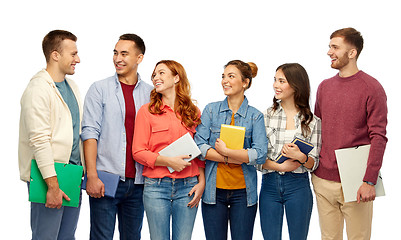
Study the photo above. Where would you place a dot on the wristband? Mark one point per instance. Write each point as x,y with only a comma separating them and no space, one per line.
370,183
226,160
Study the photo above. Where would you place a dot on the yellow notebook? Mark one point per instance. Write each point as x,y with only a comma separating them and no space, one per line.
232,136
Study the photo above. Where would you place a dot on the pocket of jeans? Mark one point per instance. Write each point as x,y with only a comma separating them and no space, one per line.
299,175
192,181
150,181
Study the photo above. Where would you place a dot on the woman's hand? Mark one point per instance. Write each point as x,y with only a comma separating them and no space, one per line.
291,150
221,147
288,165
197,192
178,163
198,189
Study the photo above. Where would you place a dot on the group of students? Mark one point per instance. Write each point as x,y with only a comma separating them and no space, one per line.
127,122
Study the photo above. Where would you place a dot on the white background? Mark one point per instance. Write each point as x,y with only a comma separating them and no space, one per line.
203,36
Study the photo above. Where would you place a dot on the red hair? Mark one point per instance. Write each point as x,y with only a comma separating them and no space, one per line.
183,106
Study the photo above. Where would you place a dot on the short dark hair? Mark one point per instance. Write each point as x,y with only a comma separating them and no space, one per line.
139,43
52,41
350,36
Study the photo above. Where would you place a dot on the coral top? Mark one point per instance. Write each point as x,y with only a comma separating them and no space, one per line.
154,132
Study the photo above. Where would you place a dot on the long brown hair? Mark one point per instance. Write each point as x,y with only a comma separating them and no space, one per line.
298,79
183,105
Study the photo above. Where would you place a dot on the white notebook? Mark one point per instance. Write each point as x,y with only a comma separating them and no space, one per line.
352,163
185,145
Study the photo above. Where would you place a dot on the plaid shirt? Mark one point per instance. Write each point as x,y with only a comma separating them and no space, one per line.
275,122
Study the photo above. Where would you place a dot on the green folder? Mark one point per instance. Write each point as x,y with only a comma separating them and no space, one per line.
69,178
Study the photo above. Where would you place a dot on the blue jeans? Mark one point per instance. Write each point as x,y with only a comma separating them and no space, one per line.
53,223
166,198
231,206
127,204
291,192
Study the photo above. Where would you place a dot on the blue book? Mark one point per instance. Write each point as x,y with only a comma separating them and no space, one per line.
303,145
109,180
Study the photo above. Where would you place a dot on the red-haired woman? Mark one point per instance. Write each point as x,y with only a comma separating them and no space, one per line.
169,115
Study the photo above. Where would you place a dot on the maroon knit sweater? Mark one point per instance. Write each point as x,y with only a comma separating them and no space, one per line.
353,112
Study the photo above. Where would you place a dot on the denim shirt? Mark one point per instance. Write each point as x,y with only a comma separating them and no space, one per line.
255,142
103,119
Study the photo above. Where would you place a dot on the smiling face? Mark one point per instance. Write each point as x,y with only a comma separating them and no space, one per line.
68,57
126,58
282,89
232,81
164,80
339,53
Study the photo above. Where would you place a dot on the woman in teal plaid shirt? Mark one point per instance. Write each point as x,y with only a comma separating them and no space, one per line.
286,185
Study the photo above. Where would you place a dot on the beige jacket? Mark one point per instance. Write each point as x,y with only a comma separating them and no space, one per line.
45,131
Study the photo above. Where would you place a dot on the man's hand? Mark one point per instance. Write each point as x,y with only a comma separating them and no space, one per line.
54,195
366,193
95,187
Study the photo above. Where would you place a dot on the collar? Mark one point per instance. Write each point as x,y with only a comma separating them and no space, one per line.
166,107
43,74
242,109
118,81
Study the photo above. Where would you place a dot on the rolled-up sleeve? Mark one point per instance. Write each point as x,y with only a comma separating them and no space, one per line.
92,114
140,145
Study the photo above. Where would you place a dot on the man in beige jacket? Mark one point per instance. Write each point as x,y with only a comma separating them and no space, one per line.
49,131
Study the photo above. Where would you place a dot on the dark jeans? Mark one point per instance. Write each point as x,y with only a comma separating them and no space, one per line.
128,205
231,206
291,192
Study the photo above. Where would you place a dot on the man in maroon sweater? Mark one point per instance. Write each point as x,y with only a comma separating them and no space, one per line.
353,109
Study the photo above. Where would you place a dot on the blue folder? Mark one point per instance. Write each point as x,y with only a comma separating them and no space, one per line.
109,180
303,145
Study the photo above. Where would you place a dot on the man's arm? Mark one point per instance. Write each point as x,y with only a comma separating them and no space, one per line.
94,186
91,126
377,123
376,118
36,115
